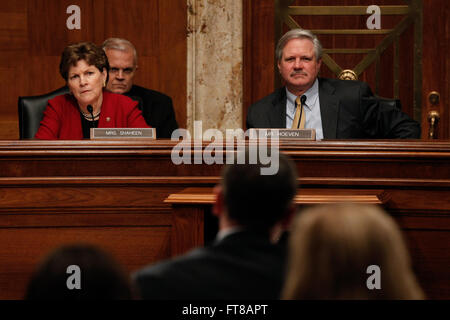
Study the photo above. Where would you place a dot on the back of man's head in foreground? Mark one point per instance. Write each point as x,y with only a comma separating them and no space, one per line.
98,274
256,201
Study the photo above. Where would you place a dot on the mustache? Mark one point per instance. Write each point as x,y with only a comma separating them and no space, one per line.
299,72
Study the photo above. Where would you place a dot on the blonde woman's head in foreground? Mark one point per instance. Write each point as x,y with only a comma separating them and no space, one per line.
332,246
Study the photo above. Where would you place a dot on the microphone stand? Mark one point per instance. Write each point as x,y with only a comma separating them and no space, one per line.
91,111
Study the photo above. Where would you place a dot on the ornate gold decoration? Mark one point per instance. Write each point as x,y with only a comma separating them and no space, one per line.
433,119
434,98
348,74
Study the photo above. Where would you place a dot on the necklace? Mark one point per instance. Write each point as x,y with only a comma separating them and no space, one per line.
88,116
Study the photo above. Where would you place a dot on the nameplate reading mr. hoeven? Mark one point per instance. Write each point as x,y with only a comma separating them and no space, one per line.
297,134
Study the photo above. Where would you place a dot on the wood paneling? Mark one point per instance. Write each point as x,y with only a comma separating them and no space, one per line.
47,31
258,60
189,223
33,34
116,194
436,63
205,196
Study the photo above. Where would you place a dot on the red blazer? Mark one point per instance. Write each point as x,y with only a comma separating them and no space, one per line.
62,116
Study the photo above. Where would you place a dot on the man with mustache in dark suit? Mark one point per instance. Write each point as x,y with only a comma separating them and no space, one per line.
336,109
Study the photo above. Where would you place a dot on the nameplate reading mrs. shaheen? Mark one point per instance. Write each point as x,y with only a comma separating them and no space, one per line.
296,134
123,133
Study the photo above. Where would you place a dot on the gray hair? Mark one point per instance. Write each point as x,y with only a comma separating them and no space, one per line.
120,44
298,34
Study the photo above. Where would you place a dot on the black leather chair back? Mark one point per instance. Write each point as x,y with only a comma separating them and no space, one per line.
31,112
390,102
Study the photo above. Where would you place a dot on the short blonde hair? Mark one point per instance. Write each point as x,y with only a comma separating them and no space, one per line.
331,247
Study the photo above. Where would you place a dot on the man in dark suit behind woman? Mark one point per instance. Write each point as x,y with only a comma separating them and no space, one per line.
156,107
242,263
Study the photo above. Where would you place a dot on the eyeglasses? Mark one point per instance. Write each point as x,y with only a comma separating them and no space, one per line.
126,71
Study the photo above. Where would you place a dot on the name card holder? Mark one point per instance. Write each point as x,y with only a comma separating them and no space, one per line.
292,134
123,133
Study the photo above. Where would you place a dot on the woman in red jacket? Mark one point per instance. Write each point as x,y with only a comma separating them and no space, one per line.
85,68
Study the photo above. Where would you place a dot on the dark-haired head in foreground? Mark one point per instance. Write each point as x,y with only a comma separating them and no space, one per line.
101,276
254,200
242,263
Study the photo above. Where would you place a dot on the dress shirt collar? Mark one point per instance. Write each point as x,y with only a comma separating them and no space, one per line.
311,97
225,233
290,102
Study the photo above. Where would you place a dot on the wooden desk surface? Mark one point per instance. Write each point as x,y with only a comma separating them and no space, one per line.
119,196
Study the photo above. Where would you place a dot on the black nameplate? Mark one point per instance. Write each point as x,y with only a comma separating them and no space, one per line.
123,133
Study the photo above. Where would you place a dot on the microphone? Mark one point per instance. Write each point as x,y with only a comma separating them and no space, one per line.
91,111
302,101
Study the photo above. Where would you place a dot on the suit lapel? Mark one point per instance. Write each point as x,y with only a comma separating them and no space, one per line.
329,109
277,114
